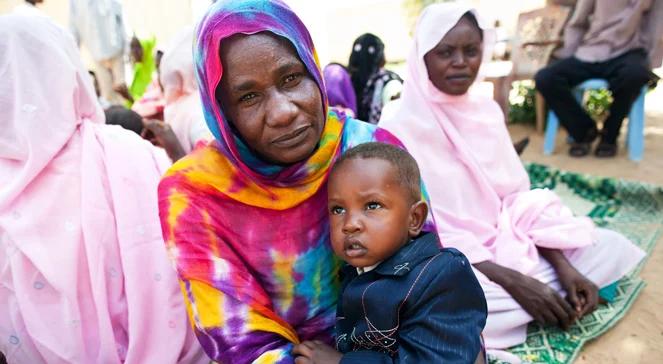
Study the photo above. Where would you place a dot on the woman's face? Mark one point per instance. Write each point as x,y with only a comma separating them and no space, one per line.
453,63
270,98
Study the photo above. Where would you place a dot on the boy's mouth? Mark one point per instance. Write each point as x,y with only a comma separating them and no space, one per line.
353,248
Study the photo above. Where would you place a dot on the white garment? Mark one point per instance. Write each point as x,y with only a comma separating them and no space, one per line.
98,24
604,262
28,9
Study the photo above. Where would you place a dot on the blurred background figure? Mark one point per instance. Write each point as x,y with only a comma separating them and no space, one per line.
374,85
29,7
610,40
183,110
99,25
143,60
340,92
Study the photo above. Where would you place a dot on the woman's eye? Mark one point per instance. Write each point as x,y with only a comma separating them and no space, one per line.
373,206
444,53
247,97
291,78
336,210
472,52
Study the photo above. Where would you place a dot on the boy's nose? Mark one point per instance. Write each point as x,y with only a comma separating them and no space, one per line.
352,224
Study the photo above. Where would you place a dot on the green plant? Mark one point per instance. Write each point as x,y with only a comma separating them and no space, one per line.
522,103
597,103
522,108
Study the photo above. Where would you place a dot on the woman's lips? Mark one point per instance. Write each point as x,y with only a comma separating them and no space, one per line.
459,79
292,139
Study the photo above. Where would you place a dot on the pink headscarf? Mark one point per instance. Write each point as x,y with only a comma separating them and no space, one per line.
478,187
183,111
84,276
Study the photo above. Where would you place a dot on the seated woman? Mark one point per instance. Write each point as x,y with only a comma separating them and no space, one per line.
245,218
527,248
84,276
374,85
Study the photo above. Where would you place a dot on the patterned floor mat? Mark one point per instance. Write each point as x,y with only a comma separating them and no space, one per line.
635,210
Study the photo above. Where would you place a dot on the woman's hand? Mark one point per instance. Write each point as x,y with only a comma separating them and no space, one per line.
161,134
543,303
123,90
582,293
316,352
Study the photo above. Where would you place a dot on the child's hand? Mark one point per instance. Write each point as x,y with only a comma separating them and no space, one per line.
316,352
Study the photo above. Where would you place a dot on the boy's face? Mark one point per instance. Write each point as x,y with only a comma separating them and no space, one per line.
371,213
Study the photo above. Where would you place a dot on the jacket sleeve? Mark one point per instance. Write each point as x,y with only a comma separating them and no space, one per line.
443,323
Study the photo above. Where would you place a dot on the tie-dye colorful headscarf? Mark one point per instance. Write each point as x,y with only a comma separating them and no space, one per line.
250,240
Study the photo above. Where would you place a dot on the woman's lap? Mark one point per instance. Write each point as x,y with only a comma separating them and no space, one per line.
603,262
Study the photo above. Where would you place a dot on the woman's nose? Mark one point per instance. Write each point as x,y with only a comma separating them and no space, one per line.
458,59
281,111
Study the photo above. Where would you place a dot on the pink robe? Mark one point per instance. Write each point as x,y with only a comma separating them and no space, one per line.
84,274
480,192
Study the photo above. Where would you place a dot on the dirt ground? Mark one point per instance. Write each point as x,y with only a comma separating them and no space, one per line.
638,338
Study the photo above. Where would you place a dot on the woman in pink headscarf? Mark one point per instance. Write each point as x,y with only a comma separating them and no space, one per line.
527,248
84,276
183,111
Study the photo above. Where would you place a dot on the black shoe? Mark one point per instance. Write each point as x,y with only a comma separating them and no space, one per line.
521,145
581,149
605,150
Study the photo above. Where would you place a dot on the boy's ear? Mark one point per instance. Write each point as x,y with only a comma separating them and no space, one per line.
418,214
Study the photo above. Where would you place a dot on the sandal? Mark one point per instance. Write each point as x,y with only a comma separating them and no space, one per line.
605,150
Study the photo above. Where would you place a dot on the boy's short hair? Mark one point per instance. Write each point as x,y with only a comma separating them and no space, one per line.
126,118
406,167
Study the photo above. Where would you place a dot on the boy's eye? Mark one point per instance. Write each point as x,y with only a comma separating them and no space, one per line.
336,210
373,206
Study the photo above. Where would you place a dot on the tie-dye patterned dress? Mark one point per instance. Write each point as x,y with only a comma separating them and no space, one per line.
250,240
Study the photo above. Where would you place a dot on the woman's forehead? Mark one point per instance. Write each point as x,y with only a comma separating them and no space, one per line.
464,32
257,53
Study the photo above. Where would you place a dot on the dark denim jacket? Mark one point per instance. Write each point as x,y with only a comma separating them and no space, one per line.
422,305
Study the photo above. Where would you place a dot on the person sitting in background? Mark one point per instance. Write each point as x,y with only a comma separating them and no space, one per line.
374,85
612,40
85,276
534,259
183,111
339,88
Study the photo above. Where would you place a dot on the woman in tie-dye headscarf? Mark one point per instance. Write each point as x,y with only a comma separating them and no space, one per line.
245,218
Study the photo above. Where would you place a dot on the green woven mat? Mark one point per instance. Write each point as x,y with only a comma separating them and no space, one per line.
635,210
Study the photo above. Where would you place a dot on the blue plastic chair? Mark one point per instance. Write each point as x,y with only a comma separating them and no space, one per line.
636,121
